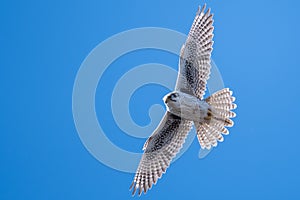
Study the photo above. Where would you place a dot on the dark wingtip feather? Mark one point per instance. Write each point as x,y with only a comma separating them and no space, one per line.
140,191
203,8
134,190
131,185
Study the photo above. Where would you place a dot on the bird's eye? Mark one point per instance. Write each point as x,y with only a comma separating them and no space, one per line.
174,95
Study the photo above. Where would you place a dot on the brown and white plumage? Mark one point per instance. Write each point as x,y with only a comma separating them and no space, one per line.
211,132
159,150
194,62
186,106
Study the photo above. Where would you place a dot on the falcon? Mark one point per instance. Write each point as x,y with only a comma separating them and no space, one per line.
186,107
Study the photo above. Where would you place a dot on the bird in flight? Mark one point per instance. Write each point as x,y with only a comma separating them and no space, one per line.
186,106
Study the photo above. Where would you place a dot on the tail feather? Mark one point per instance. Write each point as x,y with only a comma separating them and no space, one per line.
212,130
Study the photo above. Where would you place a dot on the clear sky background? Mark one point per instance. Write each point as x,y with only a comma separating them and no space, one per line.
42,47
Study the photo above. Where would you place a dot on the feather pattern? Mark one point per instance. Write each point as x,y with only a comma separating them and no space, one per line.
159,150
194,62
210,132
168,138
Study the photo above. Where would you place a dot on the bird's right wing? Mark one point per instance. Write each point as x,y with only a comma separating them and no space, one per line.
159,150
194,62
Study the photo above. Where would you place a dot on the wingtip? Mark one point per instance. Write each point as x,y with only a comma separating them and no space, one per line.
204,7
208,12
133,191
201,9
140,191
132,184
134,188
198,11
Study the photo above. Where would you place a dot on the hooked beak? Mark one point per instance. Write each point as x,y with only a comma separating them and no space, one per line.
166,99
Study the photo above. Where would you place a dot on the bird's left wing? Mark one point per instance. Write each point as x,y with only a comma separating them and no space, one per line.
194,61
159,150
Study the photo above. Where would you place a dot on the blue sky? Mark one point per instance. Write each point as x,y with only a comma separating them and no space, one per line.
42,47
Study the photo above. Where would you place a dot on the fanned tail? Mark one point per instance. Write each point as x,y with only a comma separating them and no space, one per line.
212,130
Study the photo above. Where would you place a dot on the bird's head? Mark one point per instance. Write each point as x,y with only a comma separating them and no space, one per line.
172,98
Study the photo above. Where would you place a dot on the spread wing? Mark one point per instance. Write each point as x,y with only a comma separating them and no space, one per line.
159,149
194,61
